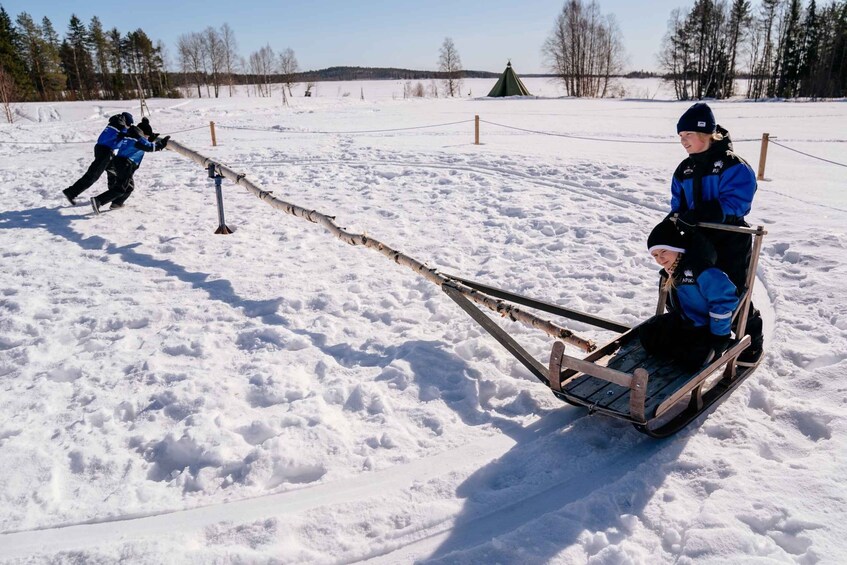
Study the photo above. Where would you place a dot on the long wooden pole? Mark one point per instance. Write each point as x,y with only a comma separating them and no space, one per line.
212,130
503,308
476,130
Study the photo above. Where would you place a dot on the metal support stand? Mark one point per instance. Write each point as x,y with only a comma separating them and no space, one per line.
213,174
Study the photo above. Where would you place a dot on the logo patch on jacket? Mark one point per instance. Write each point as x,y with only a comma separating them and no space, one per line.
688,170
688,277
716,168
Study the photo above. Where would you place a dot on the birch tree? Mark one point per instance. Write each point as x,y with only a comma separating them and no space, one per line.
450,64
215,55
584,49
190,53
7,93
230,51
288,67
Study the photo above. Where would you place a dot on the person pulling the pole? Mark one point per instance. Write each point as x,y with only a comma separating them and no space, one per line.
131,149
713,184
106,144
701,300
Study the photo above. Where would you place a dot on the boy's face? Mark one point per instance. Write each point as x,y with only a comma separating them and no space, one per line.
694,142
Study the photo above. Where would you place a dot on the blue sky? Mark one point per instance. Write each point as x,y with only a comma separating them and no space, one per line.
371,33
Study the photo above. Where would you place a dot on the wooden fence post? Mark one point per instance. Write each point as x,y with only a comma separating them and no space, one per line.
763,156
476,130
212,129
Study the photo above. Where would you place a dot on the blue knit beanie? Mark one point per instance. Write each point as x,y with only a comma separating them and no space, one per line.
697,118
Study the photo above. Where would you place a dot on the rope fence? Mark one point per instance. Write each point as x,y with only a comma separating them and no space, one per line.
808,154
766,139
277,130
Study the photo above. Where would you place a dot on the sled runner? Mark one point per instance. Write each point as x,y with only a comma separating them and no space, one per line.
620,379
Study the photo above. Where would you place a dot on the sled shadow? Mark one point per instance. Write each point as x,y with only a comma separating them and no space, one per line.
599,472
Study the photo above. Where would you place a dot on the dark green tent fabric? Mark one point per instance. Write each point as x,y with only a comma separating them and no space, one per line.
509,84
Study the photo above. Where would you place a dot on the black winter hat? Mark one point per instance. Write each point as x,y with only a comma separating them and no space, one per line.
697,118
666,236
128,118
146,127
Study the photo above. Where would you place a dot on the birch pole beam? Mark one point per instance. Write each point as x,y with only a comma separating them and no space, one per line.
503,308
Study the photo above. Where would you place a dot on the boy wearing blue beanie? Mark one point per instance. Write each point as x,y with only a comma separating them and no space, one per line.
715,185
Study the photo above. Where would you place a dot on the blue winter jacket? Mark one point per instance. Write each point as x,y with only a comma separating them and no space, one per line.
716,175
113,134
704,295
134,149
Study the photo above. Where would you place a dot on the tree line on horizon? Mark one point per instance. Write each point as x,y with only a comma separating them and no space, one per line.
790,50
786,49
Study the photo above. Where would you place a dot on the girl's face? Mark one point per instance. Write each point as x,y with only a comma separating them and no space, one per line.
694,141
665,257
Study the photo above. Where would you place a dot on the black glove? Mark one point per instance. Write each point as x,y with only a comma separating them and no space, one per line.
162,143
689,218
708,211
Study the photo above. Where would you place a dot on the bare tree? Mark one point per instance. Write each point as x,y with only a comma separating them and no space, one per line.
450,64
261,65
7,93
677,54
584,49
190,49
288,67
213,48
230,49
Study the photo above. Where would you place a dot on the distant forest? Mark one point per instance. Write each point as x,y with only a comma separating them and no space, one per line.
786,49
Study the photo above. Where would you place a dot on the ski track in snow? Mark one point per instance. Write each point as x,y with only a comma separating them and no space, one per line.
128,404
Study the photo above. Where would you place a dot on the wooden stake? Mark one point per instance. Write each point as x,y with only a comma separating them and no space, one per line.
763,156
212,129
476,130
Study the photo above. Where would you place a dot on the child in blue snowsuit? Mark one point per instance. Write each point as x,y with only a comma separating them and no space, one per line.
715,185
103,150
701,300
131,149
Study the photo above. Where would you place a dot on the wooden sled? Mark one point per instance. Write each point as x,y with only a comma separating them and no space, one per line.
657,395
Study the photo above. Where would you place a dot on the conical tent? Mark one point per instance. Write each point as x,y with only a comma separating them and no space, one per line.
509,84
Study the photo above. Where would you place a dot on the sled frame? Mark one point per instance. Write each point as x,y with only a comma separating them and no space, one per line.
609,380
620,379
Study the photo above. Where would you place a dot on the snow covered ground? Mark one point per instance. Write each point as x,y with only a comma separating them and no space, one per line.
168,395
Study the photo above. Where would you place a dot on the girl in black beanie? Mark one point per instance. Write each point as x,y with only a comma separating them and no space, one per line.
701,300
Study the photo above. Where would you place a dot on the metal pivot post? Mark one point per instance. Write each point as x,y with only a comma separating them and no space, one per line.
213,174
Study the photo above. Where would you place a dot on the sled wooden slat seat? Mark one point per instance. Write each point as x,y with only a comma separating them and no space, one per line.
665,377
587,383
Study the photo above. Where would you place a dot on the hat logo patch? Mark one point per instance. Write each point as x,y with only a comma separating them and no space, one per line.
701,124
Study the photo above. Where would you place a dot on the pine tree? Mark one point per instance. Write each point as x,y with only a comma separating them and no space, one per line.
762,63
739,24
792,51
31,48
839,52
115,52
100,46
55,79
11,62
77,61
